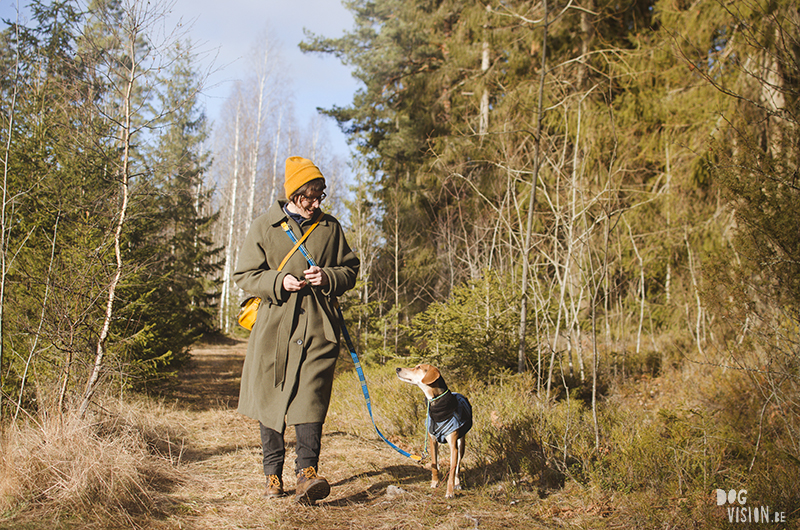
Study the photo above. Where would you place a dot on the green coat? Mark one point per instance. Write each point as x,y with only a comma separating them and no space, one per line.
293,347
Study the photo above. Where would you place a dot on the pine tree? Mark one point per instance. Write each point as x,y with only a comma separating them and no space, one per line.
171,297
57,204
68,233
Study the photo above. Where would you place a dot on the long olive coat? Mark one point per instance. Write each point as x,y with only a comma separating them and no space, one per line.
293,347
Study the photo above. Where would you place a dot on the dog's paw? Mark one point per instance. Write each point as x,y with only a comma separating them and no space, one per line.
434,483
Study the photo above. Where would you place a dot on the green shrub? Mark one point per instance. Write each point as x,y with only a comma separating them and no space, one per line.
474,332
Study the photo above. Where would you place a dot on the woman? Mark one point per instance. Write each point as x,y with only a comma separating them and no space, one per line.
293,347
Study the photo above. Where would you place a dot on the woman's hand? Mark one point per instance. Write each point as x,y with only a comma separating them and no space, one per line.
316,276
292,284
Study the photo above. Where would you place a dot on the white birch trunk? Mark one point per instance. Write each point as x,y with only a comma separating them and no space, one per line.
668,281
123,210
274,187
228,268
641,291
397,270
483,125
699,321
257,141
521,352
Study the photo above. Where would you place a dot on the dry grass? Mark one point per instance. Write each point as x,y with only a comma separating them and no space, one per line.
103,470
190,461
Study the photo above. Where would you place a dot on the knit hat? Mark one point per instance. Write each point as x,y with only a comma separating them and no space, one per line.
299,170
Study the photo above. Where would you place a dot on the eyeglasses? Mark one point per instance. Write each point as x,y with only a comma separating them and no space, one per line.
312,200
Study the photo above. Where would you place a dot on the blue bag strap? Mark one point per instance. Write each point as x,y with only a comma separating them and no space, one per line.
353,354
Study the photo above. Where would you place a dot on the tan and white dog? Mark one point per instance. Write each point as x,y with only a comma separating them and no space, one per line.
448,420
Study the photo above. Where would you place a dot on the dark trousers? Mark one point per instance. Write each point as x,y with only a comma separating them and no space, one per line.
309,442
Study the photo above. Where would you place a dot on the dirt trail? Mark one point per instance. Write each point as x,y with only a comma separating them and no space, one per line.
372,487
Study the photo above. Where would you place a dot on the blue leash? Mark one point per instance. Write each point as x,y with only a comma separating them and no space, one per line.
352,349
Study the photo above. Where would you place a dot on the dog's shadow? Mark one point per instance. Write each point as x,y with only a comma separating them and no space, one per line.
405,474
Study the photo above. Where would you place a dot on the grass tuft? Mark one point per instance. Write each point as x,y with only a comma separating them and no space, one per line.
108,467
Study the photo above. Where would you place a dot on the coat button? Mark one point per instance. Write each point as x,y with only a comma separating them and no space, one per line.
300,342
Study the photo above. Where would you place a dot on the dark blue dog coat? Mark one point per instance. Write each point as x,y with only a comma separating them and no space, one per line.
446,413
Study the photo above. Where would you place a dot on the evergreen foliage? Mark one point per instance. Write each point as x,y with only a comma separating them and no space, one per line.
62,199
473,333
755,163
660,175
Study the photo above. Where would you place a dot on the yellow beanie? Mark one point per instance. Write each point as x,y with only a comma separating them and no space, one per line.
299,170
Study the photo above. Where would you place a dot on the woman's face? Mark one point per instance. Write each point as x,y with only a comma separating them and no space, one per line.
307,205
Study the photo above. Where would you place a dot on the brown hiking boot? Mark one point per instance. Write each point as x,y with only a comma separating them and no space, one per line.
274,487
311,487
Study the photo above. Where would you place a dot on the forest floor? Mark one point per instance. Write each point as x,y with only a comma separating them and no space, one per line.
221,482
186,459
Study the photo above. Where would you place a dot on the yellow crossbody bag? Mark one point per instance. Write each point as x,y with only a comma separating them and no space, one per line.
249,308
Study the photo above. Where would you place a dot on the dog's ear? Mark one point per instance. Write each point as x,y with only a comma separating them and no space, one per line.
431,375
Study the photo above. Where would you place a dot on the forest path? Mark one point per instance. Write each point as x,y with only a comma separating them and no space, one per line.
221,486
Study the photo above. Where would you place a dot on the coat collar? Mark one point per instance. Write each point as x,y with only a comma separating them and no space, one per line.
276,215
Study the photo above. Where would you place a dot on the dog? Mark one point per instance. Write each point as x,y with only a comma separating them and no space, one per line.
448,420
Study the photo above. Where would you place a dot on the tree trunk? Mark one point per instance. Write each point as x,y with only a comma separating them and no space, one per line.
274,187
397,267
41,321
123,211
224,322
483,124
587,36
641,291
521,353
695,287
251,192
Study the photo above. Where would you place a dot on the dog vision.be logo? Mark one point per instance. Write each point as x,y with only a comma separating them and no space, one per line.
738,512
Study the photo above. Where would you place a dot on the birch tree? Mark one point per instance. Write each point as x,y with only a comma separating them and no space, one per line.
266,85
523,323
227,279
126,69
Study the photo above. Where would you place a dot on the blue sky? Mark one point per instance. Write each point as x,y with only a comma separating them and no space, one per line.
227,30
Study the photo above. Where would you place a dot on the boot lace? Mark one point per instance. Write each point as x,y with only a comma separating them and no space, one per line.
309,473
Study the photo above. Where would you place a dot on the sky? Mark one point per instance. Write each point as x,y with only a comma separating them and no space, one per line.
226,31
